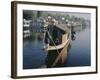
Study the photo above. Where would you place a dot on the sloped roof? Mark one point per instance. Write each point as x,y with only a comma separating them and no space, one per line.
63,27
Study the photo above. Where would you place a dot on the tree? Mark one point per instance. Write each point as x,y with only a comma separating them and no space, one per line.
39,13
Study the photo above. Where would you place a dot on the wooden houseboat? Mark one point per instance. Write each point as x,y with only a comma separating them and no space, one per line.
56,37
57,40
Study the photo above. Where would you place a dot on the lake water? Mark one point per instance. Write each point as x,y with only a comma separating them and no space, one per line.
79,53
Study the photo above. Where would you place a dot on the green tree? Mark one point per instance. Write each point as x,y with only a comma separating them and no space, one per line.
27,14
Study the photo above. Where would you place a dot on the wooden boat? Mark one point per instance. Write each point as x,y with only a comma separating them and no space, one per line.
57,40
58,35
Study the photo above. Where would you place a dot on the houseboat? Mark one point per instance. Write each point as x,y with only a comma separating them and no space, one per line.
57,40
56,37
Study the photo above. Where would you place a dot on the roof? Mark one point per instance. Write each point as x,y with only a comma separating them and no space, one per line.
63,27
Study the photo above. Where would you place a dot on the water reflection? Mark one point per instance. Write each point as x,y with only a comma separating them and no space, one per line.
54,59
79,54
73,37
34,56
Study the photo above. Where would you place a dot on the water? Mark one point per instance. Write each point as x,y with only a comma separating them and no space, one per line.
33,55
78,55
